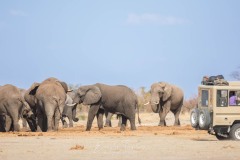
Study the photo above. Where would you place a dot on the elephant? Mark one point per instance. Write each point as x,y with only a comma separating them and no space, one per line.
114,99
12,108
47,100
69,111
166,97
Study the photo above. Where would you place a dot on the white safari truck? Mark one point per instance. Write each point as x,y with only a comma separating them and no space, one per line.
218,110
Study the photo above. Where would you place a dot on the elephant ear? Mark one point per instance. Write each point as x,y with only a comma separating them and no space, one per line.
92,95
167,90
64,85
33,88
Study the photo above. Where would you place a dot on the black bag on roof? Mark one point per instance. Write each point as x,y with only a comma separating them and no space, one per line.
214,80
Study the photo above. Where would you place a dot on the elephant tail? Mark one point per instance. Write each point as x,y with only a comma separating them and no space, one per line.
139,120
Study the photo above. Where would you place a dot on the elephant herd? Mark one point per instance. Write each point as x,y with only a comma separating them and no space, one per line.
44,104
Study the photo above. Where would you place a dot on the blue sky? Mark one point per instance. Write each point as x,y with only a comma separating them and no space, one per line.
135,43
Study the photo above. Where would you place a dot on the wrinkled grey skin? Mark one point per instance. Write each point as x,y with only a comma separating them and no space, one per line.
69,111
166,97
12,107
47,100
114,99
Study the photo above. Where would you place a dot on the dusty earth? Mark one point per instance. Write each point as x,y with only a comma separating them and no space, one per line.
148,142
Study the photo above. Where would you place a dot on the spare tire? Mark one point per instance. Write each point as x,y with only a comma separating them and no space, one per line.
235,132
204,119
194,117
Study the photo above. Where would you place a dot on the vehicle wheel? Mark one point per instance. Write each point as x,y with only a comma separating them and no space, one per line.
204,119
235,132
194,117
220,137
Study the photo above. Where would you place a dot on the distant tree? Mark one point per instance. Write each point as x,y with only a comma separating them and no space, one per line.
143,97
73,86
189,104
236,74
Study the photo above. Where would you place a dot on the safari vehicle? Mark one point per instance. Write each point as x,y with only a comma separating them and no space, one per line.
218,110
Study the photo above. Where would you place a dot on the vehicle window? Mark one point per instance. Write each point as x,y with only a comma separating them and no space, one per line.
234,98
222,98
204,99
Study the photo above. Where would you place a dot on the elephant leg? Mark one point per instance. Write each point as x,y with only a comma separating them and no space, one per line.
16,126
70,123
176,114
2,123
64,122
100,118
8,124
70,119
108,120
49,122
162,116
132,123
91,114
163,113
40,121
57,116
120,120
124,121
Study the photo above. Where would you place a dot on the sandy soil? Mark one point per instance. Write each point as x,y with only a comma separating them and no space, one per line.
148,142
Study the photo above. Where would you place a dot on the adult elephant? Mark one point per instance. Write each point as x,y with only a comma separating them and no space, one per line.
166,97
47,100
69,112
114,99
12,107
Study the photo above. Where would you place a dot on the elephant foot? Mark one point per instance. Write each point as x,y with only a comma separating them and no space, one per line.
134,129
162,124
107,125
177,125
88,129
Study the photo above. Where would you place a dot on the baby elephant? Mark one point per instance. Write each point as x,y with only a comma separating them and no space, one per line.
69,111
114,99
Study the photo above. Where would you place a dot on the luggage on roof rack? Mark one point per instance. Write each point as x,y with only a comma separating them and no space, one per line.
214,80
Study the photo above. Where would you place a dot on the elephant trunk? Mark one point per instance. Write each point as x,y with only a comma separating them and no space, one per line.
155,103
32,123
155,108
75,119
77,99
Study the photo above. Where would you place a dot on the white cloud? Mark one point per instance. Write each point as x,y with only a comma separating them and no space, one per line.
18,13
157,19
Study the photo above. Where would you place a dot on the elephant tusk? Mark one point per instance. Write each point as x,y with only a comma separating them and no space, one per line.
156,103
70,90
146,103
70,105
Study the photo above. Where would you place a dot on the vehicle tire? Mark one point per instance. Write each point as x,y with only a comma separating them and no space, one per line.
194,117
219,137
204,119
234,133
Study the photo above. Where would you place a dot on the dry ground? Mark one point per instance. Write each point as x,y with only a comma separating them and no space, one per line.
148,142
